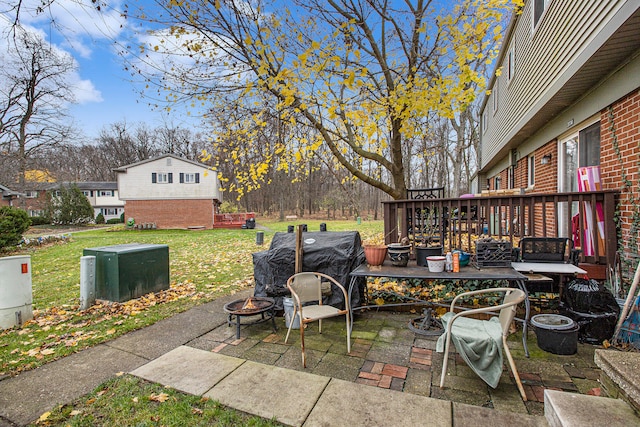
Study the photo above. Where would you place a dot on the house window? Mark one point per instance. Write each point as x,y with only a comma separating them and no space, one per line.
36,212
496,183
106,193
494,94
87,193
484,121
531,170
539,6
589,145
31,194
578,150
189,178
161,178
109,211
511,57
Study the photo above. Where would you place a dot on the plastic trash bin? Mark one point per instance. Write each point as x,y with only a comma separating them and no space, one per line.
288,305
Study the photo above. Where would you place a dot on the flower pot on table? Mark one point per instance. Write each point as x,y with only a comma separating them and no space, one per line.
399,254
375,255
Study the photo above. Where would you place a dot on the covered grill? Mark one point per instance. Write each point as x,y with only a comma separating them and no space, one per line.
333,253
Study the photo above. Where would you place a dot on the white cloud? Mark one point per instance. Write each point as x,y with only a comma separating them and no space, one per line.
85,92
79,23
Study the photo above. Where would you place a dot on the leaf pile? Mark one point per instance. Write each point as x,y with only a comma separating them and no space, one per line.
58,331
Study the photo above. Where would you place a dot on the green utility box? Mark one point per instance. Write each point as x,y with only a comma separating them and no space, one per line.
124,272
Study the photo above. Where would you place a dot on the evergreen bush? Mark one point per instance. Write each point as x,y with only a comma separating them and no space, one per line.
13,223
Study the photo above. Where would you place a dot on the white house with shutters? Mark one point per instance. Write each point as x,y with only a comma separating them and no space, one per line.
170,192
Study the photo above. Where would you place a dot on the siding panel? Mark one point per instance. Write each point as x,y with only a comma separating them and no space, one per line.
542,59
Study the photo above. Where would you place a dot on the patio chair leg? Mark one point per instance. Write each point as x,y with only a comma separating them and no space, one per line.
293,316
348,334
446,360
512,365
304,356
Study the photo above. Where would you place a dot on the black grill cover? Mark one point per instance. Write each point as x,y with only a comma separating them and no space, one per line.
330,252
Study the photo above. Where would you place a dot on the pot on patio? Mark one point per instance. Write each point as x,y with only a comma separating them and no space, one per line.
375,254
399,254
422,252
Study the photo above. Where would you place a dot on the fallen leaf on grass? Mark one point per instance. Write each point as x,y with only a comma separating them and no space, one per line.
197,411
75,412
44,416
162,397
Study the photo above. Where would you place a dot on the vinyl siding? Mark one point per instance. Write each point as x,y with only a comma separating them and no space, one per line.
545,58
136,182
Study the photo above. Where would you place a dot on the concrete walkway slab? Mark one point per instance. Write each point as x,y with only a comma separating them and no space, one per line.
270,392
573,409
188,369
350,404
476,416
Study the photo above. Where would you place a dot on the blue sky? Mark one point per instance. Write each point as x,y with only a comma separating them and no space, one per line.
103,89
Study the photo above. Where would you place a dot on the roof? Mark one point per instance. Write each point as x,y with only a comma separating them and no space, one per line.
7,192
96,185
173,156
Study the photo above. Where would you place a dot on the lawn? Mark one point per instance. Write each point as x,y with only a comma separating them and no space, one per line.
130,401
204,265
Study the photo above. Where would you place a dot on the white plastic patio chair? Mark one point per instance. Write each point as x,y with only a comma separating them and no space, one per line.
307,287
458,324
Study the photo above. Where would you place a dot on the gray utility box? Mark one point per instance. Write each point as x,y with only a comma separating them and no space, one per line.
124,272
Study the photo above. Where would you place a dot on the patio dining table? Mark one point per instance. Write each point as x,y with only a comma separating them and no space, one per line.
413,271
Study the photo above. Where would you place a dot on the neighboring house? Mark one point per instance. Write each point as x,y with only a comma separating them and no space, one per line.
104,198
568,96
34,197
7,196
170,192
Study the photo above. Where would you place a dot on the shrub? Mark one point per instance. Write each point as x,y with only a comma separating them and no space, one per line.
13,222
114,221
68,206
122,217
100,218
39,220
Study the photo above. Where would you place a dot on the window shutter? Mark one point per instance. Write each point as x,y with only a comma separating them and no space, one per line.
181,178
154,178
170,177
197,178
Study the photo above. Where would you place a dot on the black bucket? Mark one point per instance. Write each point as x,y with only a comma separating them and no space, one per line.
556,334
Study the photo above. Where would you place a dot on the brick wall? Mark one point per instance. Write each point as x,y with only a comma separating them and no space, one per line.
171,213
623,164
546,176
521,171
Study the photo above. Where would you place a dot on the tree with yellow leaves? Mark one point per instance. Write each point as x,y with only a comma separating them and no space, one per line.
356,78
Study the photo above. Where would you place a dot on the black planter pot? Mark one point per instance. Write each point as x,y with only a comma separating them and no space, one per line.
423,253
399,254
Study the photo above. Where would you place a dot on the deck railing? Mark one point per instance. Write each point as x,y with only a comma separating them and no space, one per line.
587,218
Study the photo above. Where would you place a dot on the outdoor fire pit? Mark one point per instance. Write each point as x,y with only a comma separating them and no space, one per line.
251,306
